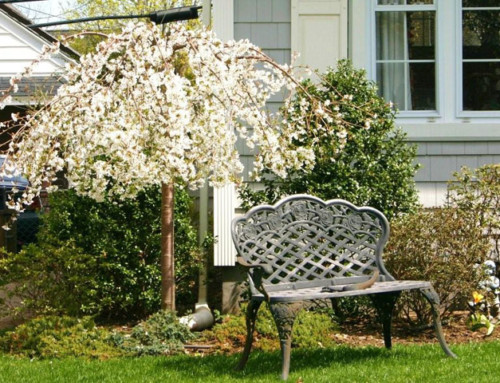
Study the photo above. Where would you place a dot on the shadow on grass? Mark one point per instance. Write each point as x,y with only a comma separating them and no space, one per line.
264,363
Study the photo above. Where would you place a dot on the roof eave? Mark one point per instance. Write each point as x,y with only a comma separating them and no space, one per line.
24,21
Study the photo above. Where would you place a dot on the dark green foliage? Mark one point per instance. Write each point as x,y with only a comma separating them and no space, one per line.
59,337
356,308
55,277
103,258
376,167
160,334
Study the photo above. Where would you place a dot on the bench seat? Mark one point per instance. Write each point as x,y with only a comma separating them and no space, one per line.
312,293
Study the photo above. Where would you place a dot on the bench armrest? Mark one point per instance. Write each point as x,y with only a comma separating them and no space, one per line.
260,270
268,269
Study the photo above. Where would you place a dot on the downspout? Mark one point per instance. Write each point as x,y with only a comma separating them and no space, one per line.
202,317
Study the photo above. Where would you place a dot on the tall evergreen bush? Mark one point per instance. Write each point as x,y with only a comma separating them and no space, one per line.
377,166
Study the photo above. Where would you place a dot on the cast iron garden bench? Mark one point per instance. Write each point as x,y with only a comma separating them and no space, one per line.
303,248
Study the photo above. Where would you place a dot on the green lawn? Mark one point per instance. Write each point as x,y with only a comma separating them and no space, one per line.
476,363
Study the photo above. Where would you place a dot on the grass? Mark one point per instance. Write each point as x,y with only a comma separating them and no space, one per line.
477,362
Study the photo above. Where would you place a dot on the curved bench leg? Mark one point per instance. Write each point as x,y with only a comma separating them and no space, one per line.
384,304
251,316
431,295
284,316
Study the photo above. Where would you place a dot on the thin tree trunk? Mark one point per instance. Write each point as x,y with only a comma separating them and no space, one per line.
167,248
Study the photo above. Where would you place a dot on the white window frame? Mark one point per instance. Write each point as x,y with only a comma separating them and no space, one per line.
406,8
460,112
449,85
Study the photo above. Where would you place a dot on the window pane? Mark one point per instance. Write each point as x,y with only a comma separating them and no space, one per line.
391,82
481,34
420,2
421,35
390,35
481,86
423,86
414,89
480,3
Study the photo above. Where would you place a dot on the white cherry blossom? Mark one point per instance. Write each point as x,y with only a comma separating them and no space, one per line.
161,106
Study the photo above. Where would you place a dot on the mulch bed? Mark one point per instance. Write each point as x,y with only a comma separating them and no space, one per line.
456,331
367,332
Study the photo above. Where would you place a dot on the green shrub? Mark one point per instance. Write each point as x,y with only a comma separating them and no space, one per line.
448,245
51,279
443,246
103,258
376,167
160,334
314,329
477,193
59,337
63,336
311,329
356,307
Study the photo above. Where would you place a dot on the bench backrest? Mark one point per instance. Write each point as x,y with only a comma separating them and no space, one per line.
303,238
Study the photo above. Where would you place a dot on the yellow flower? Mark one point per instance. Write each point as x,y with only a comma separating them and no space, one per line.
477,297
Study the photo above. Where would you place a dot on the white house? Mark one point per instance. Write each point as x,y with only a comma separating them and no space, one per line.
437,60
19,46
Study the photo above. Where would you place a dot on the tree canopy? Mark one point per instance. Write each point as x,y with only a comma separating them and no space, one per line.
129,117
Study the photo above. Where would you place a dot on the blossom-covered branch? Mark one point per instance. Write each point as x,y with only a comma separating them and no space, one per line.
155,106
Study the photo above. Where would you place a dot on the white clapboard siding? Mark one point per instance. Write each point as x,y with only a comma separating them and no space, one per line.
7,40
17,53
19,46
12,67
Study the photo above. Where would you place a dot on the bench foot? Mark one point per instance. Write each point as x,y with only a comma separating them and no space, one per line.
433,298
284,316
384,304
251,316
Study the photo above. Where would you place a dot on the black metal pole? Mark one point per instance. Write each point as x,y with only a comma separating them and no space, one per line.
17,1
158,17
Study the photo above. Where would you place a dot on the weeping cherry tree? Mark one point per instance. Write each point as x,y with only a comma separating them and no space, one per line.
164,106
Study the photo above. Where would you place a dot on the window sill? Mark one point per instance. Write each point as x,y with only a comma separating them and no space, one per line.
457,131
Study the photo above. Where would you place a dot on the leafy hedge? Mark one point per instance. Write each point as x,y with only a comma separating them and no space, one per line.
103,258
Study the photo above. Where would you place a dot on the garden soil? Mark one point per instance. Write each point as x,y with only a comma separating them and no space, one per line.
369,333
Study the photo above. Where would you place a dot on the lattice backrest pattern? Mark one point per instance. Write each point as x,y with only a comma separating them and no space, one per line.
304,238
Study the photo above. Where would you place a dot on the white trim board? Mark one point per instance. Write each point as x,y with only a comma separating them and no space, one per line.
224,198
